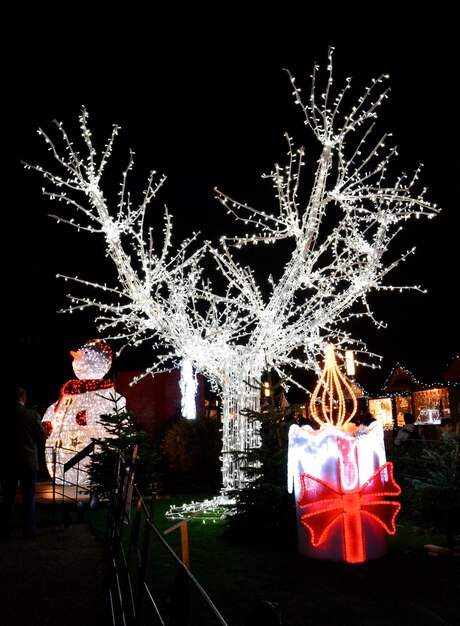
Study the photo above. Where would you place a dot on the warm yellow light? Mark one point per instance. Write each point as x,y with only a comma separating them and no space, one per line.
266,390
330,393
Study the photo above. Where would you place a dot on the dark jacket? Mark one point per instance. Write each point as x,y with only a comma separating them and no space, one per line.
406,435
22,434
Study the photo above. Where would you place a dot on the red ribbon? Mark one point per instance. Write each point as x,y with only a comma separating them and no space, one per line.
325,507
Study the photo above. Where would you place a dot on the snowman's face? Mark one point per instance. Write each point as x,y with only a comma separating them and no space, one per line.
90,363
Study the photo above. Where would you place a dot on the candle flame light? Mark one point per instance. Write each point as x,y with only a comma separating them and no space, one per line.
327,403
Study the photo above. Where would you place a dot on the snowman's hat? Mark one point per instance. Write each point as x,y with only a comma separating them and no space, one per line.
94,345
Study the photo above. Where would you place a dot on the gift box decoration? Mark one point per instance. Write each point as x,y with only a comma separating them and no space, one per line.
344,488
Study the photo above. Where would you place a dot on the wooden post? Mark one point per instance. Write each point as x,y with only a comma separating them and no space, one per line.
185,551
184,536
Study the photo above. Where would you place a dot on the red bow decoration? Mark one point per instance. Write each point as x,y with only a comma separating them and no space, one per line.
325,507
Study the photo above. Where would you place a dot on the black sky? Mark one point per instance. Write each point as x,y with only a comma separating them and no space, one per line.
202,96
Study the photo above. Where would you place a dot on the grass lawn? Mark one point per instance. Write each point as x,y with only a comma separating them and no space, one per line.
406,586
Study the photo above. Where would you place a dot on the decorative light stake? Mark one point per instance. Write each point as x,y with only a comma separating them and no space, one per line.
343,485
188,387
350,361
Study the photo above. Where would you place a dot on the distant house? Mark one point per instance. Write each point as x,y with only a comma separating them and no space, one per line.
429,402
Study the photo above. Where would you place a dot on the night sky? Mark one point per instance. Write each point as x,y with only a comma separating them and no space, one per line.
203,97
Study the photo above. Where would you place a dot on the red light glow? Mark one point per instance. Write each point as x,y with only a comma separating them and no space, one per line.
325,507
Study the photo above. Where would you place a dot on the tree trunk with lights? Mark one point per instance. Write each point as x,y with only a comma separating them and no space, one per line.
240,391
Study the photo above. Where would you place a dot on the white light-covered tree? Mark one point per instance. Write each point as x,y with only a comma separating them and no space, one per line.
336,237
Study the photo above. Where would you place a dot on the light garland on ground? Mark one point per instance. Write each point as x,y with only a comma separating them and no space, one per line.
215,509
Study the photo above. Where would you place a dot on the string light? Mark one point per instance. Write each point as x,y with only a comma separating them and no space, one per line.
340,237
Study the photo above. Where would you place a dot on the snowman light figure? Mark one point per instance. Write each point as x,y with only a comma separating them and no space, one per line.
74,420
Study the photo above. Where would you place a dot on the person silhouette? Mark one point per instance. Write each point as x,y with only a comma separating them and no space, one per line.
447,429
408,433
22,436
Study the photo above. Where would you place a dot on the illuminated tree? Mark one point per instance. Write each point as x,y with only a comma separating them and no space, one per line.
335,235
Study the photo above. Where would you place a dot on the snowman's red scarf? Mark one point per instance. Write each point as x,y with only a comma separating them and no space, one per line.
75,387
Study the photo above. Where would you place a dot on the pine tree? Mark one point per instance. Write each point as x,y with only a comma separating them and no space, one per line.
124,438
433,495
